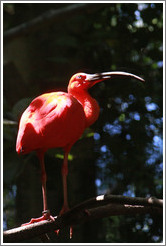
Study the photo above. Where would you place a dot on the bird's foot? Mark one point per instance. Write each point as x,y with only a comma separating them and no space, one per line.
46,216
65,209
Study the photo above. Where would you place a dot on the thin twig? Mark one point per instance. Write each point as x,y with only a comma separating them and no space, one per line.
47,18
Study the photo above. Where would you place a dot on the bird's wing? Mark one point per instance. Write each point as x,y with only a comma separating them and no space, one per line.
49,120
45,108
42,106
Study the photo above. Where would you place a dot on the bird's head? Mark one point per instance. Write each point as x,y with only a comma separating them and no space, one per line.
83,81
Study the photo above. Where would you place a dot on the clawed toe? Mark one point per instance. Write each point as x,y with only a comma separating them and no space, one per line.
46,216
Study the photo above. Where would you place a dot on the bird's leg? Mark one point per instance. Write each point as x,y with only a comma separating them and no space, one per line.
64,171
46,213
43,180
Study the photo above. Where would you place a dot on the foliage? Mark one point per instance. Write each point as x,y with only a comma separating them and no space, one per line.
124,153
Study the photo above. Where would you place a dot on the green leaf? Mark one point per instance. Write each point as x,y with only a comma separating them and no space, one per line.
122,117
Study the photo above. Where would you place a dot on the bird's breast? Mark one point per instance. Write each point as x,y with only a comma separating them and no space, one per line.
89,104
91,109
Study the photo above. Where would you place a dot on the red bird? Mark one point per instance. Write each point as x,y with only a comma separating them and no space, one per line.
58,119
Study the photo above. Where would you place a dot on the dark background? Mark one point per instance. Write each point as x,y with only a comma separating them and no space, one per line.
121,153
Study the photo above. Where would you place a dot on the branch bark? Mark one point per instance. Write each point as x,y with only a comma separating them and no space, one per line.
47,18
98,207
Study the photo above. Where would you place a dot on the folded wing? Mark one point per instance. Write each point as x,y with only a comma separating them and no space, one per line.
48,121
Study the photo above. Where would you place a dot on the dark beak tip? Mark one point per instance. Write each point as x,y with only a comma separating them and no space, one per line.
142,80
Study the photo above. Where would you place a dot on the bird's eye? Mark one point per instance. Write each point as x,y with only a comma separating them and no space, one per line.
79,77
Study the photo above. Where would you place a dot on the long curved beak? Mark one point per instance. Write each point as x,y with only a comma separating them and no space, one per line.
109,75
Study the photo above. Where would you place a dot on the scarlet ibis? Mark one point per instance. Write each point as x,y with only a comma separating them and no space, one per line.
58,119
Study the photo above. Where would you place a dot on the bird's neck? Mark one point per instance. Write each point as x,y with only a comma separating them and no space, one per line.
89,104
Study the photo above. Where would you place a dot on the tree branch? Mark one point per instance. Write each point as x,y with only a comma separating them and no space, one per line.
47,18
98,207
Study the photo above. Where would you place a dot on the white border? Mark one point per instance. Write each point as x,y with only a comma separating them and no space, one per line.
1,123
164,92
90,1
2,2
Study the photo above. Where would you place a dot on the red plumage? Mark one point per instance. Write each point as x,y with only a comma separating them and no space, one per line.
58,119
52,120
